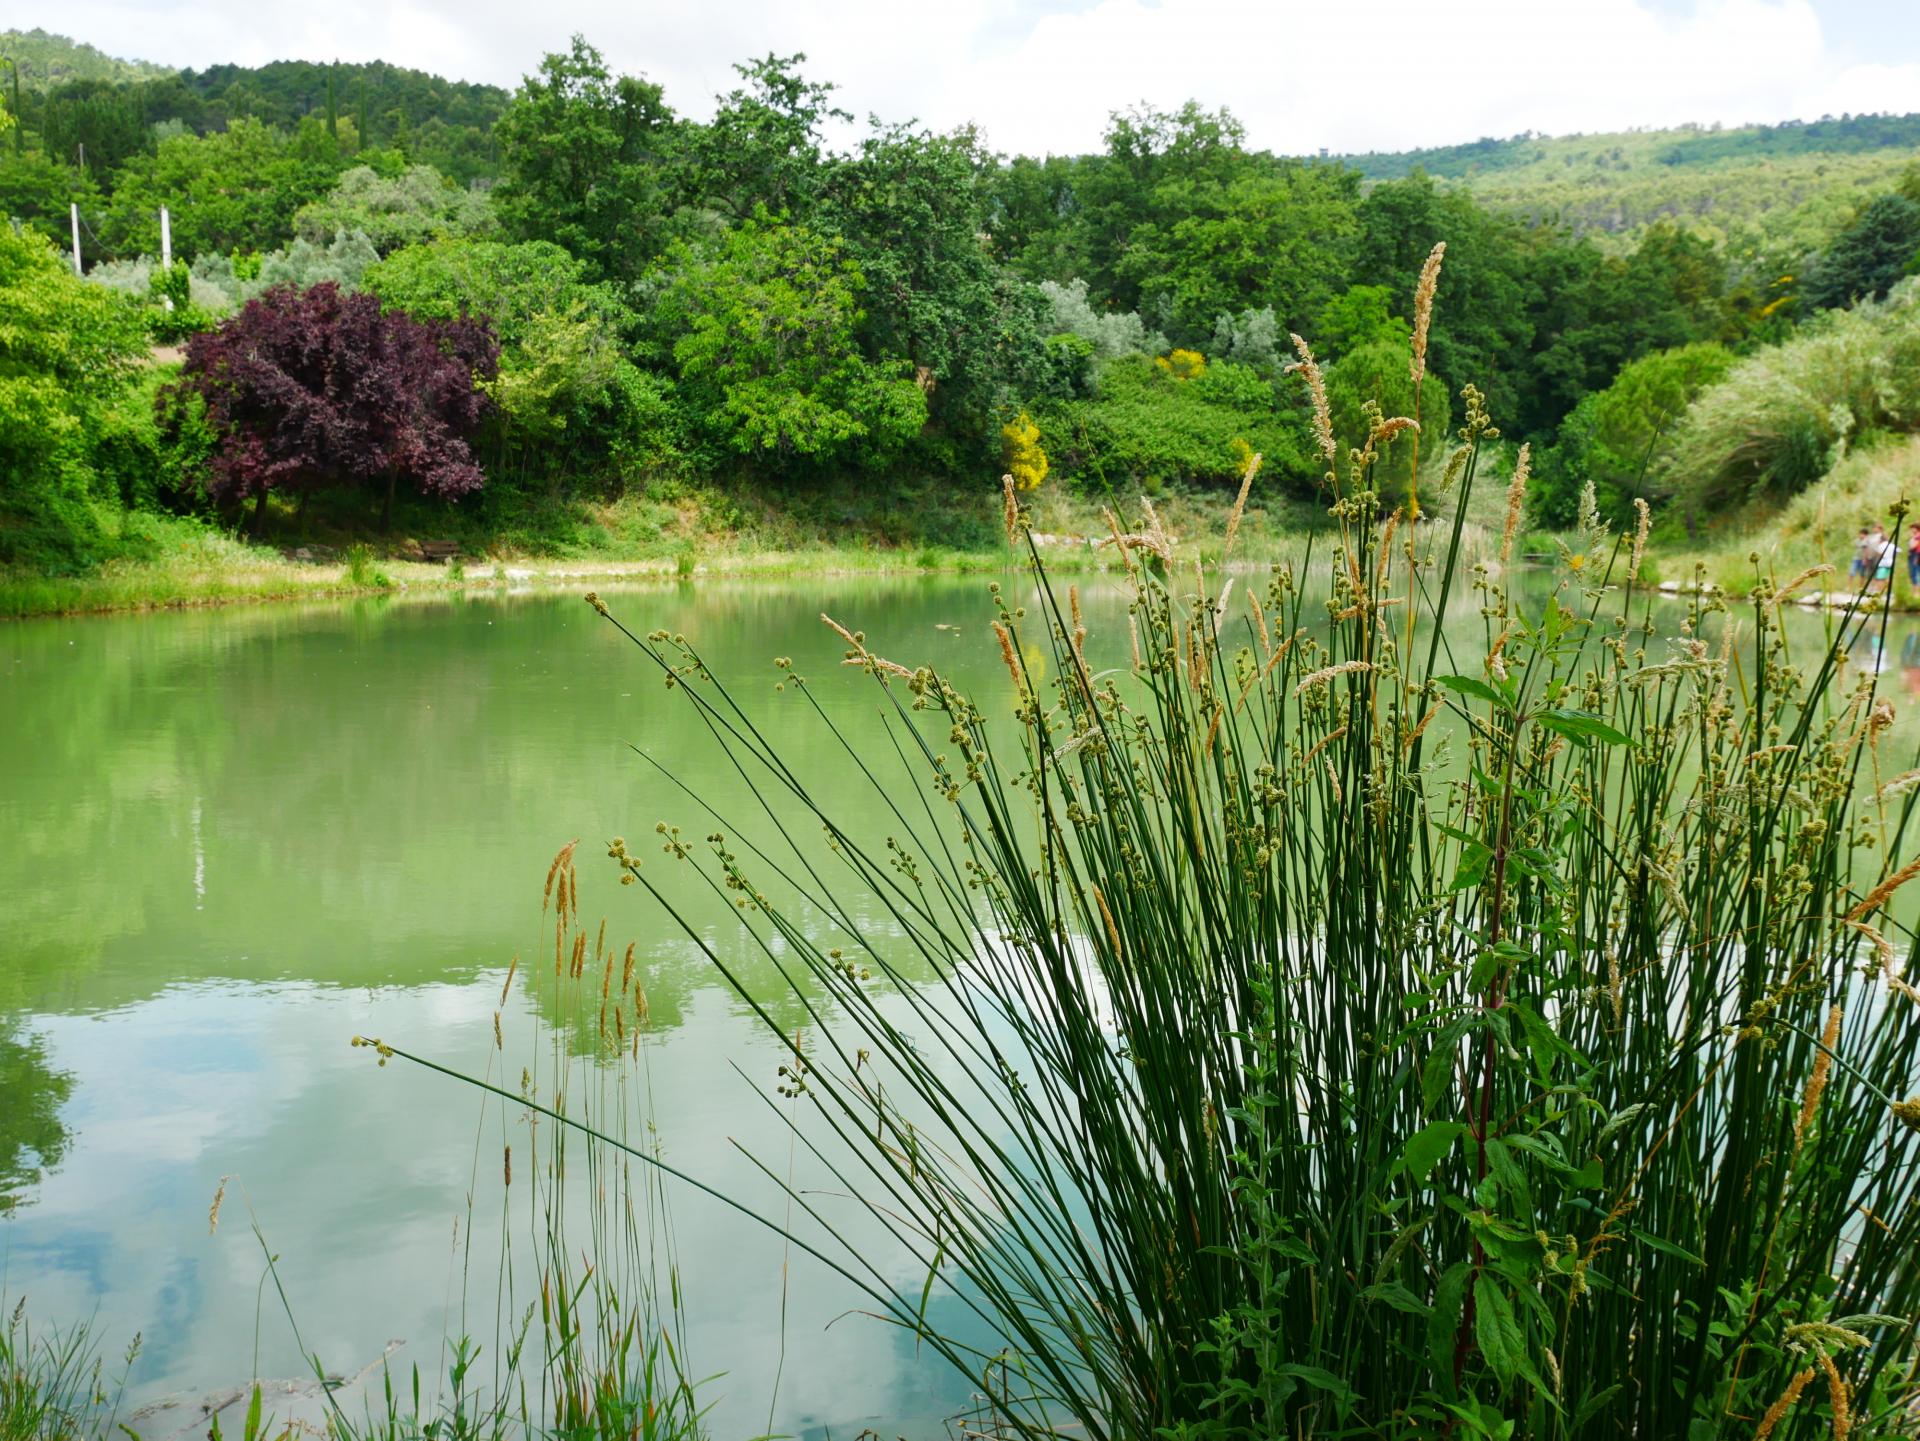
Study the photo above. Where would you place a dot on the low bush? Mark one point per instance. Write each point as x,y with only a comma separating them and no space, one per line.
1145,427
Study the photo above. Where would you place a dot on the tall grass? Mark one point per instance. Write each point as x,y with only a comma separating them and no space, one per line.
582,1317
54,1386
1331,1035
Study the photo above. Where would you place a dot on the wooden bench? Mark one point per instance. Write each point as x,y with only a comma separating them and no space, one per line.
439,551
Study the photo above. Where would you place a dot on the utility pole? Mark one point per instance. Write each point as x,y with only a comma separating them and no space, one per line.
166,250
74,209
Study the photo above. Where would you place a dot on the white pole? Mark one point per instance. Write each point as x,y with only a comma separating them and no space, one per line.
166,249
75,208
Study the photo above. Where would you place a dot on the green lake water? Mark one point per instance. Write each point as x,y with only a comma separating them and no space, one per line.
234,839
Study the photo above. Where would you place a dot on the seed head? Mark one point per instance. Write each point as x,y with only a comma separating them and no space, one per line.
1423,309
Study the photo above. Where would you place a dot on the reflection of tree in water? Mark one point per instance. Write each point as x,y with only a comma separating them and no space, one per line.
32,1137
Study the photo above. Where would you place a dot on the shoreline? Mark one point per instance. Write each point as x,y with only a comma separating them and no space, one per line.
146,589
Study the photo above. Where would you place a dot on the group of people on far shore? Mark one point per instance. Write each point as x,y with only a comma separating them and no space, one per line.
1873,558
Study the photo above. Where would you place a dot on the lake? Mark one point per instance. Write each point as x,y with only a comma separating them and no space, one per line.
238,838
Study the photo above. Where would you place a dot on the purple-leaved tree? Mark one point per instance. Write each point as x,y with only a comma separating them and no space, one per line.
319,387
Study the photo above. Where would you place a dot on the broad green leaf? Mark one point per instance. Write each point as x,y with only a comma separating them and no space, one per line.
1473,866
1443,1322
1393,1294
1593,1405
1496,1331
1428,1145
1320,1380
1666,1248
1580,727
1467,685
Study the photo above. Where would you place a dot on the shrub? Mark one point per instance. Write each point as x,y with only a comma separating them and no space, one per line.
1784,416
1144,426
417,205
1026,461
1111,333
313,388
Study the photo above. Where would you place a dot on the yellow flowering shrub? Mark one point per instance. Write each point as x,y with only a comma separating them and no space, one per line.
1026,461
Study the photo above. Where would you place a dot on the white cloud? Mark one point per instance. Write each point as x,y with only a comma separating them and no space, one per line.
1302,74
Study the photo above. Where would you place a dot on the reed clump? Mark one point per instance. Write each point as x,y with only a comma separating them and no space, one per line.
1329,1033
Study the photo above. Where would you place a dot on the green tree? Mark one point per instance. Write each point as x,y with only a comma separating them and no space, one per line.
101,123
762,149
1609,439
67,350
1361,315
237,189
1271,240
908,210
587,156
763,332
416,205
564,370
1377,373
36,191
1482,329
1868,256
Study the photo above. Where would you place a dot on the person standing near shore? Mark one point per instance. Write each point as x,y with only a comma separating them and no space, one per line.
1913,557
1883,548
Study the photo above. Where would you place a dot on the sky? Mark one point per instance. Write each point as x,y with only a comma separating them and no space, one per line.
1041,76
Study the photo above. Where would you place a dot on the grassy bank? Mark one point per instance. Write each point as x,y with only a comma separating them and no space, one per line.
171,562
1817,527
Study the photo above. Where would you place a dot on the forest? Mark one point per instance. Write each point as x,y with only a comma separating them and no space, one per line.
387,285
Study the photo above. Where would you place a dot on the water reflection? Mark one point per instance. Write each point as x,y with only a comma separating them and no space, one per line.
33,1134
238,838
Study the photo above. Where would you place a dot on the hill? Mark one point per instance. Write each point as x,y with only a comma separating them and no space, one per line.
1792,184
47,60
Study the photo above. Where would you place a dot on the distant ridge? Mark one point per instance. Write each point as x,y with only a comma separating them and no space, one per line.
46,60
1623,150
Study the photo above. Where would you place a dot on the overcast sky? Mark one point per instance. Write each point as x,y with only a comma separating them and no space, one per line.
1041,75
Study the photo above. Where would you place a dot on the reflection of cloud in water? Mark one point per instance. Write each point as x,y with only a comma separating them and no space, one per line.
357,1175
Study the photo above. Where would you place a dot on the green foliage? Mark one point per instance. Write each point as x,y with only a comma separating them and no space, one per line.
415,206
151,445
1790,181
1178,221
763,150
47,60
237,189
908,212
36,191
1375,380
568,395
1870,256
362,573
1609,439
1785,415
1143,426
764,322
1363,315
585,159
67,350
